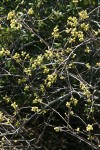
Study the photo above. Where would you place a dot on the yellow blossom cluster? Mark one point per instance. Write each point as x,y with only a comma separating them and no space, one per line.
28,71
14,23
98,64
45,69
85,90
4,52
26,88
37,100
37,61
14,105
88,65
68,104
74,101
84,26
51,78
35,109
6,98
16,56
75,34
11,15
30,11
42,88
57,129
83,14
48,54
89,127
72,21
87,50
55,32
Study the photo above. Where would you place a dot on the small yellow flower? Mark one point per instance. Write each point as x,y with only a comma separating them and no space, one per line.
57,129
6,98
83,15
71,113
35,109
85,26
68,104
89,127
98,64
55,32
11,15
26,88
30,11
78,129
14,105
87,50
14,24
88,66
28,71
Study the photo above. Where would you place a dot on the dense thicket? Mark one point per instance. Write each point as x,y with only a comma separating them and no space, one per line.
49,74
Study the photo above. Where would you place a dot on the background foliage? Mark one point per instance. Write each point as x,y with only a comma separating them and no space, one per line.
49,74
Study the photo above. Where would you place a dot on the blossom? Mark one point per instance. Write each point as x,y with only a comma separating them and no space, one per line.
89,127
30,11
83,15
11,15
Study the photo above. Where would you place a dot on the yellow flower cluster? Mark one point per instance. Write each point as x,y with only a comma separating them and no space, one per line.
37,61
26,88
55,32
84,26
35,109
30,11
68,104
89,127
74,101
16,56
14,105
28,71
68,50
45,69
37,100
85,90
4,52
57,129
11,15
72,21
78,129
48,54
73,31
6,98
80,36
14,24
83,15
98,64
87,50
88,66
50,79
42,88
